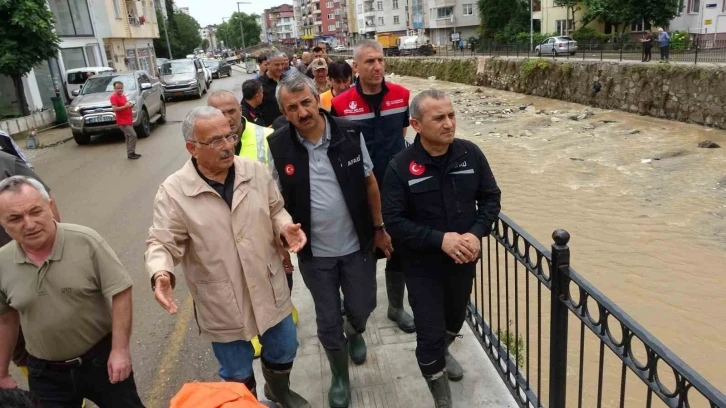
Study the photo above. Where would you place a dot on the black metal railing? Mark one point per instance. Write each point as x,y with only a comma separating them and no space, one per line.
523,298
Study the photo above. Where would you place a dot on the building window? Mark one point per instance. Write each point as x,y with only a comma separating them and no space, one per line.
380,21
116,9
331,27
337,12
639,26
396,20
71,17
331,16
73,58
695,6
379,6
563,27
360,9
338,24
468,9
329,4
395,4
444,12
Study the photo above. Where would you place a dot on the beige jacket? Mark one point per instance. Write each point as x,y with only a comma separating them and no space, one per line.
230,259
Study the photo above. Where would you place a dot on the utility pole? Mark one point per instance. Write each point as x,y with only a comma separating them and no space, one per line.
166,32
531,25
226,33
240,22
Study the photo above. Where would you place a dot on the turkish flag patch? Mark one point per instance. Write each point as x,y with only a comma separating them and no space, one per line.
416,169
289,169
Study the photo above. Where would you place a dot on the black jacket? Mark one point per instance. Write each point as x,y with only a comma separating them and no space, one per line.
268,109
422,201
292,164
251,114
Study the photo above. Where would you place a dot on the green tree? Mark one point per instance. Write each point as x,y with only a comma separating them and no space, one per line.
183,35
230,31
657,12
503,18
617,12
27,38
205,44
572,6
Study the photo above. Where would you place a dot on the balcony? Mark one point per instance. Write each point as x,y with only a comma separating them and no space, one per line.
369,13
319,22
317,11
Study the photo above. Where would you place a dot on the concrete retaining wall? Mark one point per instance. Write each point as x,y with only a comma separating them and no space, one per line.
19,125
695,94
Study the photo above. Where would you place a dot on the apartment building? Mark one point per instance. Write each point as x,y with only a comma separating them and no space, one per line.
262,23
703,19
451,20
128,29
209,33
323,20
382,16
280,24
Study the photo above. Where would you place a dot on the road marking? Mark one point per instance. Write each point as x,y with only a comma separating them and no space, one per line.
173,347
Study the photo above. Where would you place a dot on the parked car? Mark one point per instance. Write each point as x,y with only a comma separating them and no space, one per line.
218,68
159,63
339,48
182,78
76,77
207,73
556,46
90,112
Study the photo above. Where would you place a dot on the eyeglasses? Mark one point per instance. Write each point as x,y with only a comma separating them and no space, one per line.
219,142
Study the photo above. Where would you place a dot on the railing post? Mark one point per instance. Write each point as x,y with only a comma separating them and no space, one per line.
695,61
558,318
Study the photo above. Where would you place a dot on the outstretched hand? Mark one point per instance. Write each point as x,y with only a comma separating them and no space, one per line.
293,237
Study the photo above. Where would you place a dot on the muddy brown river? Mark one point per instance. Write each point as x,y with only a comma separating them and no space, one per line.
645,207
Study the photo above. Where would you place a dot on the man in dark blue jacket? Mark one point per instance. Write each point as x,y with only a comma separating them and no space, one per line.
440,200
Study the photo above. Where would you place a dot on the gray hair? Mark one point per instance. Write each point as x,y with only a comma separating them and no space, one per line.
364,45
220,94
415,108
275,54
296,82
204,112
15,183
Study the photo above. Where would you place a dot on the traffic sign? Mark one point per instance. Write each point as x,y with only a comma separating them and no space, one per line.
711,5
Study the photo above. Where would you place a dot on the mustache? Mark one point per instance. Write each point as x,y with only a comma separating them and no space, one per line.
226,154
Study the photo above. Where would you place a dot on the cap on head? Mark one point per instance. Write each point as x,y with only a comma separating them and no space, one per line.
319,63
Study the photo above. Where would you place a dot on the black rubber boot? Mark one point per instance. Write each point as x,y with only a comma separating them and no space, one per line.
453,368
277,388
251,385
356,344
395,287
439,387
339,393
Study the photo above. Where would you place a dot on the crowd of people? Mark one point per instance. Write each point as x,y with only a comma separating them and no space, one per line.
322,171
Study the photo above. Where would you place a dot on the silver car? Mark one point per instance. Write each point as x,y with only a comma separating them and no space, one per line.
90,112
184,77
557,45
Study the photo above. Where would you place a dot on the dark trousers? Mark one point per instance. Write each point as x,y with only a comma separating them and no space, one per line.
647,52
664,53
66,386
355,275
438,300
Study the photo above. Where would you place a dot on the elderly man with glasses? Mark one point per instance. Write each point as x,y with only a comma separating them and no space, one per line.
221,216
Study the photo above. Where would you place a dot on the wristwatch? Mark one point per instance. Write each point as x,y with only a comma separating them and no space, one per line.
381,227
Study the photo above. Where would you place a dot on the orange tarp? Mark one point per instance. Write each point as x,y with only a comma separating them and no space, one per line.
214,395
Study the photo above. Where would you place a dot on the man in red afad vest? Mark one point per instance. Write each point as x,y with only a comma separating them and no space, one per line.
382,111
124,118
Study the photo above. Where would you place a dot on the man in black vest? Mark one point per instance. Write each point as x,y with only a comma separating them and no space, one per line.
441,199
326,177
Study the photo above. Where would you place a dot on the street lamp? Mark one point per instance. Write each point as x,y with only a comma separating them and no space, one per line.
166,32
240,22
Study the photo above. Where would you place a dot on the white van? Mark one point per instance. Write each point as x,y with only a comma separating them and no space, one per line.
76,77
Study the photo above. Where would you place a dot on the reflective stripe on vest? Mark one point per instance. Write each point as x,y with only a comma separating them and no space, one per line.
254,142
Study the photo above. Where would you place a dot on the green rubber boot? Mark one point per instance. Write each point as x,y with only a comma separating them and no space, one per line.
356,344
339,393
453,368
395,287
277,388
439,387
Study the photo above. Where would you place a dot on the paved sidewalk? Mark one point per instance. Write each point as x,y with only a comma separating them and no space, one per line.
390,377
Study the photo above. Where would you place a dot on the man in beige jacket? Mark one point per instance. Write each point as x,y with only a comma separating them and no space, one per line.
220,216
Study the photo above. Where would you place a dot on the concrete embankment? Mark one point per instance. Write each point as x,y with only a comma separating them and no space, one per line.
694,94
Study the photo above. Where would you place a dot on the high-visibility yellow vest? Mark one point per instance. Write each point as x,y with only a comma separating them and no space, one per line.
254,142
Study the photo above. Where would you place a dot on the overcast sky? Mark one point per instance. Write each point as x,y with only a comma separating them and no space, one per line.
211,11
